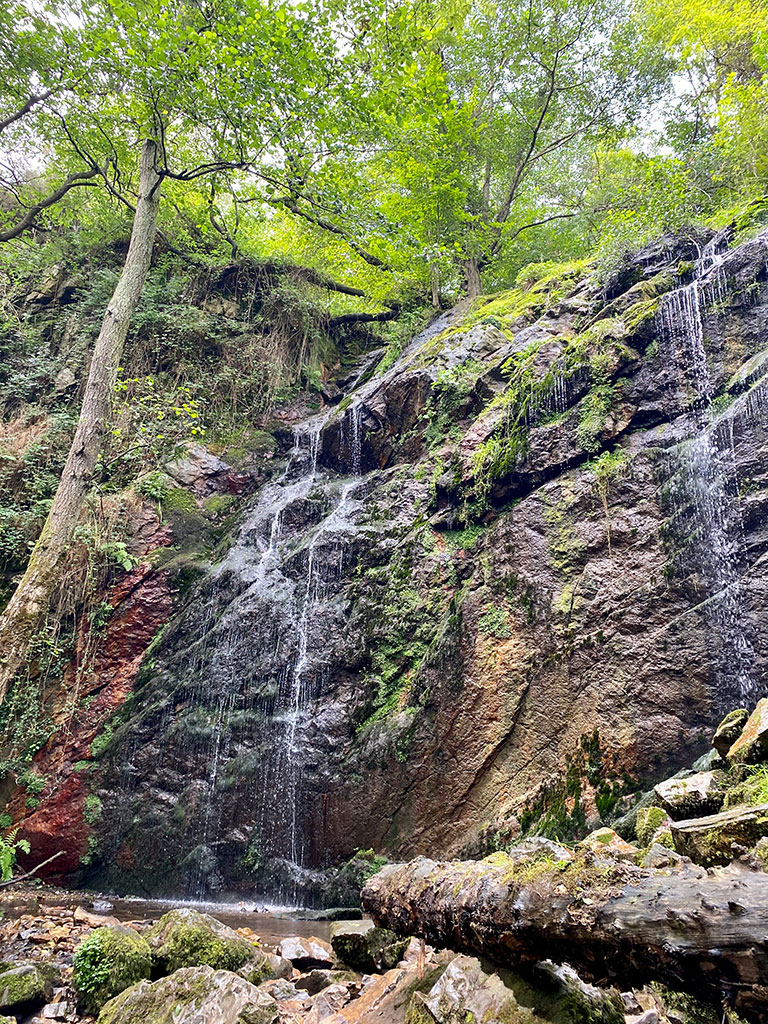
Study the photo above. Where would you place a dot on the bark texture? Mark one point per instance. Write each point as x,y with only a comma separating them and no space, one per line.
30,601
696,931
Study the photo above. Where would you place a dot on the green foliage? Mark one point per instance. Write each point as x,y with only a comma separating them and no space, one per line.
92,809
9,849
109,961
102,741
495,622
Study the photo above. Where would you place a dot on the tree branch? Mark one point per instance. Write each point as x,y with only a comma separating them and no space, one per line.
27,221
290,204
24,109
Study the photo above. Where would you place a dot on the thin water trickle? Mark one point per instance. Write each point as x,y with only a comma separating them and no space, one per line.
288,556
704,479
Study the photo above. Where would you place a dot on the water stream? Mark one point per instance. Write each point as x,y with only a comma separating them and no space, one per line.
703,476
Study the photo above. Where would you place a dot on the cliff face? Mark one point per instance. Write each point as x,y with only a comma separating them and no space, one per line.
498,586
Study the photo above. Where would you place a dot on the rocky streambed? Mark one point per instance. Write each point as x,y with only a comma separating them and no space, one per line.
70,964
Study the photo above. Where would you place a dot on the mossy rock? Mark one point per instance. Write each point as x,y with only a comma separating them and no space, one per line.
186,938
109,961
649,820
192,993
709,840
729,730
365,948
24,987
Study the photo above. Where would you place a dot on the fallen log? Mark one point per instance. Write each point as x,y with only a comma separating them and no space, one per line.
699,931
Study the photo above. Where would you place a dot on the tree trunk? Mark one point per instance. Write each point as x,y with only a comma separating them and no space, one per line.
472,277
29,604
434,281
696,931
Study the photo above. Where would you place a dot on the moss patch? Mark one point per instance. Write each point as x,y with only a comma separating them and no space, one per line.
108,962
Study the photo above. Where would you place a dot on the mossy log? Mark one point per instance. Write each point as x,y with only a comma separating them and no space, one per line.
697,931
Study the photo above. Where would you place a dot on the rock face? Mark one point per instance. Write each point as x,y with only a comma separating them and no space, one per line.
196,995
503,583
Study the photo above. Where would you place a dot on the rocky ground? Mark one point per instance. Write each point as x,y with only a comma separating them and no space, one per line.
73,965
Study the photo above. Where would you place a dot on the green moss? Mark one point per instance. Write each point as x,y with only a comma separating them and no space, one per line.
92,809
178,499
649,819
219,504
24,985
102,741
108,962
188,939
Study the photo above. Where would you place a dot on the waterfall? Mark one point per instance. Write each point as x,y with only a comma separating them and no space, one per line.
703,479
239,695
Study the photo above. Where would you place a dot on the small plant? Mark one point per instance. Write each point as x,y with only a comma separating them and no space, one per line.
495,623
9,849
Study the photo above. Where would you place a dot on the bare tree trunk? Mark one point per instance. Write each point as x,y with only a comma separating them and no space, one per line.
30,602
434,280
696,931
472,278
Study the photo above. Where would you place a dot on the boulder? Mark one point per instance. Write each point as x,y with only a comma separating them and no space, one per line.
186,938
751,747
319,979
649,820
609,843
563,996
464,992
365,948
708,840
729,730
110,960
329,1002
26,986
193,995
702,793
307,953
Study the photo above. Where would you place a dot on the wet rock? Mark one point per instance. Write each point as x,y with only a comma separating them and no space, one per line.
186,938
25,987
702,793
465,992
709,840
199,994
751,747
361,946
729,730
661,856
307,953
109,961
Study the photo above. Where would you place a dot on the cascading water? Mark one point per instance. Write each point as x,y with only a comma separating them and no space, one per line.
241,695
703,484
